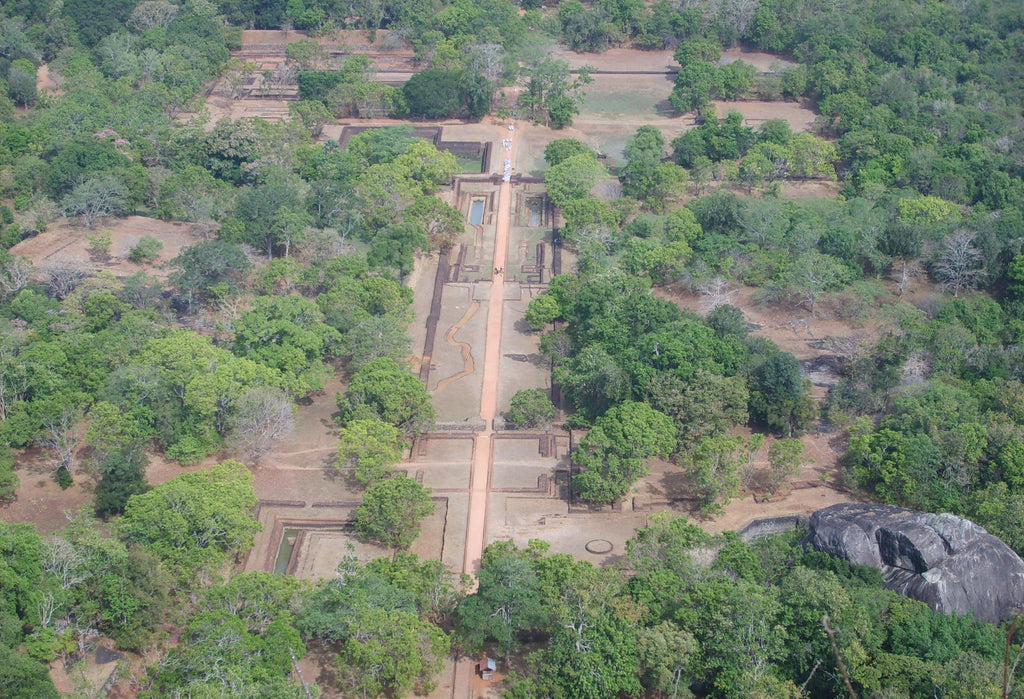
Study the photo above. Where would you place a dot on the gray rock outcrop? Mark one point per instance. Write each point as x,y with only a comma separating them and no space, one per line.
947,562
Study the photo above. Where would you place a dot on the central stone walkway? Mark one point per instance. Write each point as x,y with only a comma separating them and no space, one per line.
483,450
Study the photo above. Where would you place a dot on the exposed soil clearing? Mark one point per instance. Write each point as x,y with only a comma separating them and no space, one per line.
66,242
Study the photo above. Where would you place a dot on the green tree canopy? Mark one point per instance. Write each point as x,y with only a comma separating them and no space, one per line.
779,395
573,178
435,93
613,453
209,269
508,601
288,333
563,148
392,653
195,521
371,446
383,389
530,408
391,511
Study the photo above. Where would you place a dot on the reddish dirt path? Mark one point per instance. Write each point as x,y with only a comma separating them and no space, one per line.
480,473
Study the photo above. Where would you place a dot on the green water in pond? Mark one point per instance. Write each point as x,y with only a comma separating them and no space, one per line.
284,553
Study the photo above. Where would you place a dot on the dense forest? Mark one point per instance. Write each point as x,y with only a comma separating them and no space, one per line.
299,276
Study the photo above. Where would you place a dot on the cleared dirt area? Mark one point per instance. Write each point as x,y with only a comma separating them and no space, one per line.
67,242
41,501
798,114
624,59
46,82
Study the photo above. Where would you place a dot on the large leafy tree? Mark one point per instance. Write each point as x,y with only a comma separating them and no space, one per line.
598,658
435,589
391,653
383,389
121,476
508,601
612,455
218,652
257,598
20,575
441,221
593,650
105,584
666,654
184,389
195,521
714,466
561,148
95,198
780,396
705,405
24,678
348,300
530,407
593,380
391,511
288,333
644,152
210,269
380,616
550,94
395,247
8,478
435,93
573,177
371,447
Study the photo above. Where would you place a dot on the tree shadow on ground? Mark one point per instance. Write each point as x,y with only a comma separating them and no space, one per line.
665,109
523,327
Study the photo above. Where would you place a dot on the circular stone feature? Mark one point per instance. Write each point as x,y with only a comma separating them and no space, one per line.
599,546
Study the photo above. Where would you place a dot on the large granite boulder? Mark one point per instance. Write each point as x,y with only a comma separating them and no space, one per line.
947,562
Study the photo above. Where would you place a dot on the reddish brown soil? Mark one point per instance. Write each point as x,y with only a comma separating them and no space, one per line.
621,59
67,242
41,501
47,82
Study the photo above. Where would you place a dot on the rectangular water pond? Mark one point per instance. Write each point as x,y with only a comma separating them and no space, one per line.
284,553
476,212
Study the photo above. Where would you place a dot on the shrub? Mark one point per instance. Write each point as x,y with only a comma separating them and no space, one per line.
63,478
8,478
146,250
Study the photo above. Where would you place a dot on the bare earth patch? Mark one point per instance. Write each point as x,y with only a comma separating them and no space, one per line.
798,114
40,501
67,242
46,82
625,59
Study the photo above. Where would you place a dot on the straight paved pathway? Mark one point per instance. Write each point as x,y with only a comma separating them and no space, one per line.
482,462
483,454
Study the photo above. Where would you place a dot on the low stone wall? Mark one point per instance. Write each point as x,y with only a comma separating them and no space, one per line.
472,425
763,526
